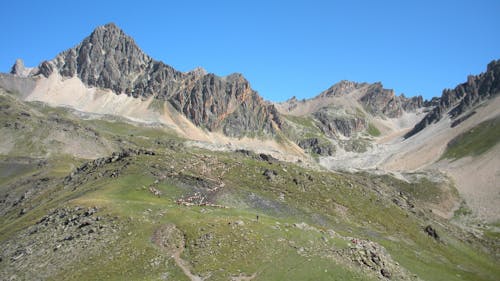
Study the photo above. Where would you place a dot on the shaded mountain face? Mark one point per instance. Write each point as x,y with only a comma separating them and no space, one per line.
458,101
110,59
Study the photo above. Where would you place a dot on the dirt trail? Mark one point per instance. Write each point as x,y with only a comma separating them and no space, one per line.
184,265
171,240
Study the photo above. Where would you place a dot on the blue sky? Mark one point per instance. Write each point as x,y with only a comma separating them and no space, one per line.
284,48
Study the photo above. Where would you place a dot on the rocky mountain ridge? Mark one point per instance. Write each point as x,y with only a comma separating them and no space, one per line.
458,101
373,97
382,101
110,59
347,117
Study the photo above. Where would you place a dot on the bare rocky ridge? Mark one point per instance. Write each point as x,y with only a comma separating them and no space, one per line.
333,124
378,100
19,69
110,59
374,98
457,101
348,115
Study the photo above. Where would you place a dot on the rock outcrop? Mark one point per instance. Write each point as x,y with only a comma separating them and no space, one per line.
110,59
317,146
375,98
333,124
380,101
412,104
341,88
58,239
464,97
346,114
19,69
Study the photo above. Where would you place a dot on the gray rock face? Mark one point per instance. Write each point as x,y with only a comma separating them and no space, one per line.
375,98
45,69
380,101
110,59
341,88
18,68
228,103
314,145
411,104
333,124
465,96
253,113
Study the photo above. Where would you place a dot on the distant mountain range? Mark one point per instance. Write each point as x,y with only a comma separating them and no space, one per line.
110,59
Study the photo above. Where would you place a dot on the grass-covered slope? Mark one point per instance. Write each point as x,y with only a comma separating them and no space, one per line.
159,210
475,141
38,130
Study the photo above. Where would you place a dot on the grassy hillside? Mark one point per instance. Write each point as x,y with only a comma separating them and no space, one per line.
476,141
159,210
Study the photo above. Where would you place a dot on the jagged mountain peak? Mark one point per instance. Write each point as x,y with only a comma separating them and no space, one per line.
110,59
372,97
110,36
19,69
458,103
494,64
198,71
346,87
343,87
110,26
107,58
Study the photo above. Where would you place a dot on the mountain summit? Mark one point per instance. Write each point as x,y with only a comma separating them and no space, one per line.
110,59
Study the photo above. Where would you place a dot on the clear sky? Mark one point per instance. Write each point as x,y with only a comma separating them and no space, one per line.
284,48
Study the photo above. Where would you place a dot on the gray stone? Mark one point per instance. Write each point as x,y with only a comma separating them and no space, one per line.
270,174
316,146
333,123
431,232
